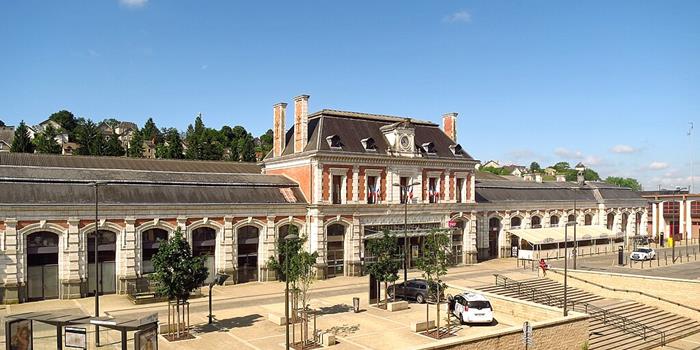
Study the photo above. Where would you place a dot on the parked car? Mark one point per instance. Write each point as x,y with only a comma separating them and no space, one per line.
415,289
643,253
471,308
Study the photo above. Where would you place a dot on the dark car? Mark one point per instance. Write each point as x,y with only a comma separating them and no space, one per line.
416,289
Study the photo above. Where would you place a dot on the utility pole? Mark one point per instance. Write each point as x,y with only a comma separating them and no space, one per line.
692,164
97,268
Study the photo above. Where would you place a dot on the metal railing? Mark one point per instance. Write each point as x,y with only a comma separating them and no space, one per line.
629,291
649,334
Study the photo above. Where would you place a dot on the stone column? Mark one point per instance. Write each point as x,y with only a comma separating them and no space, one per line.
227,261
654,220
504,244
267,249
689,218
12,264
681,217
69,261
662,221
129,264
354,264
643,229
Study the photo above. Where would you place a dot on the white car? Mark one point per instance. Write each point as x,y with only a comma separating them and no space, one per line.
472,308
643,253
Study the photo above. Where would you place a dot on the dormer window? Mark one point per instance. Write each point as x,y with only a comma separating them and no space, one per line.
457,150
369,144
334,142
428,148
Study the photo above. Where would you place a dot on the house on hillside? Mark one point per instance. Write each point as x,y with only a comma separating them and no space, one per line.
7,134
515,170
491,164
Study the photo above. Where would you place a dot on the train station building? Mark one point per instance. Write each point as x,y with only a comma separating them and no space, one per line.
340,177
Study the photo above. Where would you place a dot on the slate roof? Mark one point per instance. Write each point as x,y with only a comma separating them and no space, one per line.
495,190
64,180
353,127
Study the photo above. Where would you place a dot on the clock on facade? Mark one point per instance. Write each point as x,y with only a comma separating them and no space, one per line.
405,143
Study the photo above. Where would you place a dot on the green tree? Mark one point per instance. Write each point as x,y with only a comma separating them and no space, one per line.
386,262
203,143
136,145
89,136
561,167
171,148
66,120
246,148
150,131
535,167
113,146
433,263
624,182
265,144
22,143
177,271
45,141
300,272
588,175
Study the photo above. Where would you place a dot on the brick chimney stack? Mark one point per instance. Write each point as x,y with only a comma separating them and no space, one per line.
301,122
279,113
449,125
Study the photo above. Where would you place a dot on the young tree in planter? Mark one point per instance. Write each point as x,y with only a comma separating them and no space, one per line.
178,272
300,272
386,264
433,263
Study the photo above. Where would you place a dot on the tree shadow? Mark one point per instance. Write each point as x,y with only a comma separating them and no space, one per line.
335,309
226,324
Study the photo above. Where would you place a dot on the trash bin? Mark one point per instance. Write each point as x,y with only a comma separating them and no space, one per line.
356,304
620,256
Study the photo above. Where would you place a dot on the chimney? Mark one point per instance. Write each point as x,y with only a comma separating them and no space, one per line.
449,125
301,122
279,112
561,178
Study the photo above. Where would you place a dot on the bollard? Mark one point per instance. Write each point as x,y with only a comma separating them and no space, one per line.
657,260
666,258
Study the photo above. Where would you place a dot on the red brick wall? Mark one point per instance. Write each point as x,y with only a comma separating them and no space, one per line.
452,185
301,175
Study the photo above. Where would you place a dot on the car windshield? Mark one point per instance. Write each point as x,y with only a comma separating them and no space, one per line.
479,304
643,250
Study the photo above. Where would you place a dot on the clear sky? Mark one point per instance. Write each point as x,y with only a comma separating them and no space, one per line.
610,83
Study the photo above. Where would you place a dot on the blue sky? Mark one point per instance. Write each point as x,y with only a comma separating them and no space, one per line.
610,83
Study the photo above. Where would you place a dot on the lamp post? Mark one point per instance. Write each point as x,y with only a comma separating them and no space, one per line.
218,280
287,239
580,169
566,259
404,192
97,266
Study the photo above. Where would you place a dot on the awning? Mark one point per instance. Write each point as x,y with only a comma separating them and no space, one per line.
556,234
409,233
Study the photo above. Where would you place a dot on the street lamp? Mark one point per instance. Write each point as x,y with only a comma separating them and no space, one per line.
290,237
97,266
566,259
404,191
580,169
218,280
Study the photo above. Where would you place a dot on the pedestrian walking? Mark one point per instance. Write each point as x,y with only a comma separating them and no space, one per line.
544,267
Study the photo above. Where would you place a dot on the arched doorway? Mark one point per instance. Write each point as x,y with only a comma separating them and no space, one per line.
335,250
42,266
588,220
536,222
515,223
553,221
150,242
494,230
637,223
106,253
625,219
248,253
571,218
204,244
282,232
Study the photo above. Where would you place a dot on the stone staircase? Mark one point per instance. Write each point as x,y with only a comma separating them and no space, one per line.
609,316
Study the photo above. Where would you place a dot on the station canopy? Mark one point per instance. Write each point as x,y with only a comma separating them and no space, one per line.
548,235
409,233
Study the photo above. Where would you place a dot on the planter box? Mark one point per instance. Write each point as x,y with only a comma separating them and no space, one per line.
279,320
422,326
397,306
327,339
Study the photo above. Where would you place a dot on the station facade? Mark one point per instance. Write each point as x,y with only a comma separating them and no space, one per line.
339,177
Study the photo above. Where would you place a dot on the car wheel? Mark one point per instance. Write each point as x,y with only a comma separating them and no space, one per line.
461,319
420,299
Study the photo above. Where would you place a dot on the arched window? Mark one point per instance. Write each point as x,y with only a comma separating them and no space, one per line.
588,220
611,221
335,239
625,219
204,244
536,222
150,242
571,218
515,222
106,251
494,231
553,221
248,253
42,266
